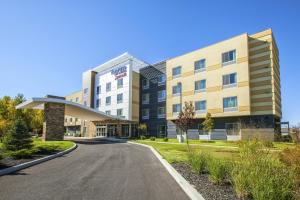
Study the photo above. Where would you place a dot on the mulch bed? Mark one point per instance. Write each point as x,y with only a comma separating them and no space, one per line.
208,190
9,162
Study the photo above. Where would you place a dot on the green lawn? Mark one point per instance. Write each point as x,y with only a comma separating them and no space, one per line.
173,151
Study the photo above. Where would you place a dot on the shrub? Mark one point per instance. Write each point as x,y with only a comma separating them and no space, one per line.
291,157
219,170
260,176
152,138
207,141
17,136
45,149
166,139
143,137
268,144
22,153
199,161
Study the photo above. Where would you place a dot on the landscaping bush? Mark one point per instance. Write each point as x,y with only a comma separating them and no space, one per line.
143,137
268,144
219,170
166,139
20,154
152,138
260,176
291,158
199,161
46,150
207,141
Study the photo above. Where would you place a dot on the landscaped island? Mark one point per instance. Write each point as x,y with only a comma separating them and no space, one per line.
235,170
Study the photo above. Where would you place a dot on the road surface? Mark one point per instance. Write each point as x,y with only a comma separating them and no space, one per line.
95,170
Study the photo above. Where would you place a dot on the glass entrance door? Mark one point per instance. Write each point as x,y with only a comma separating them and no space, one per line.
162,130
101,131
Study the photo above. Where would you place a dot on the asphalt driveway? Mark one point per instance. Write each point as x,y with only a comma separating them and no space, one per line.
95,170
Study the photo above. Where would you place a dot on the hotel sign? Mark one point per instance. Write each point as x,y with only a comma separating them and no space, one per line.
119,72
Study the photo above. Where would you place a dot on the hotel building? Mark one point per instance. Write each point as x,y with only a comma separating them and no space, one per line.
236,80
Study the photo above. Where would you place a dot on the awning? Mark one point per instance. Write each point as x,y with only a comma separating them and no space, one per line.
71,108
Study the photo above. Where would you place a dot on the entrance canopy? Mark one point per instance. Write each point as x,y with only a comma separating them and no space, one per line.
71,108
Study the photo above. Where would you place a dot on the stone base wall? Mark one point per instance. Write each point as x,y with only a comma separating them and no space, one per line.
53,126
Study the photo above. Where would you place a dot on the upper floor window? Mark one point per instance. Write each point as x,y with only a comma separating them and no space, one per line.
120,112
161,79
145,83
85,91
176,108
200,106
97,103
107,112
145,98
120,83
229,80
200,86
161,95
176,72
176,90
98,90
228,57
200,65
108,87
108,100
120,98
161,112
230,104
145,114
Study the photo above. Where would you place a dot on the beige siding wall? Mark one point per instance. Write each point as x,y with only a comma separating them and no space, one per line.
214,74
135,96
264,74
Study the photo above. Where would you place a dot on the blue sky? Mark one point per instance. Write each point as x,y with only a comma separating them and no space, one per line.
46,45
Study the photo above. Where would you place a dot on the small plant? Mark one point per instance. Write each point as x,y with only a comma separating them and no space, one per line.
207,141
20,154
218,170
166,139
291,158
142,137
152,138
268,144
199,161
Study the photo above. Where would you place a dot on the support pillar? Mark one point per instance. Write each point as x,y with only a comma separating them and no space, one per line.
53,126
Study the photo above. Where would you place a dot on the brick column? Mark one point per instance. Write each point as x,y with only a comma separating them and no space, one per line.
53,126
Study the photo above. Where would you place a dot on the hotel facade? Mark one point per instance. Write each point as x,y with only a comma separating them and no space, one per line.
236,80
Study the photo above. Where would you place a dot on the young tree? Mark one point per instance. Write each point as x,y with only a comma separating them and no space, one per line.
17,136
142,128
185,118
208,123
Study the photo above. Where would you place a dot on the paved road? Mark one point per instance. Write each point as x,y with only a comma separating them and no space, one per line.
98,170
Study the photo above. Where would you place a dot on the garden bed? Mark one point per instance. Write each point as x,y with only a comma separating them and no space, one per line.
207,189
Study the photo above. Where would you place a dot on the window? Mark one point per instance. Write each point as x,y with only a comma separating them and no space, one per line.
77,99
145,83
85,91
161,79
120,98
145,114
200,106
108,87
176,90
161,95
200,65
228,57
145,98
176,72
176,108
107,112
120,112
97,103
230,104
71,100
229,80
84,103
66,120
98,90
108,100
161,112
120,83
71,119
200,86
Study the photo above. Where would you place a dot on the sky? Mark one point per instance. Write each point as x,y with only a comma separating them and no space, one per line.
46,45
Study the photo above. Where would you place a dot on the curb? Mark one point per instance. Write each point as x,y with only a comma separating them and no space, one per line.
186,186
35,162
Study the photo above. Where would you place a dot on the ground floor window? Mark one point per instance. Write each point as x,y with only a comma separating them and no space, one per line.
161,130
232,128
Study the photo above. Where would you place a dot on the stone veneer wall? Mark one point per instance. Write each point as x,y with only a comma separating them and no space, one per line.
53,126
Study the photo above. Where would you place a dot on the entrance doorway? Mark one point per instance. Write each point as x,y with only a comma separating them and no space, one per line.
101,131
